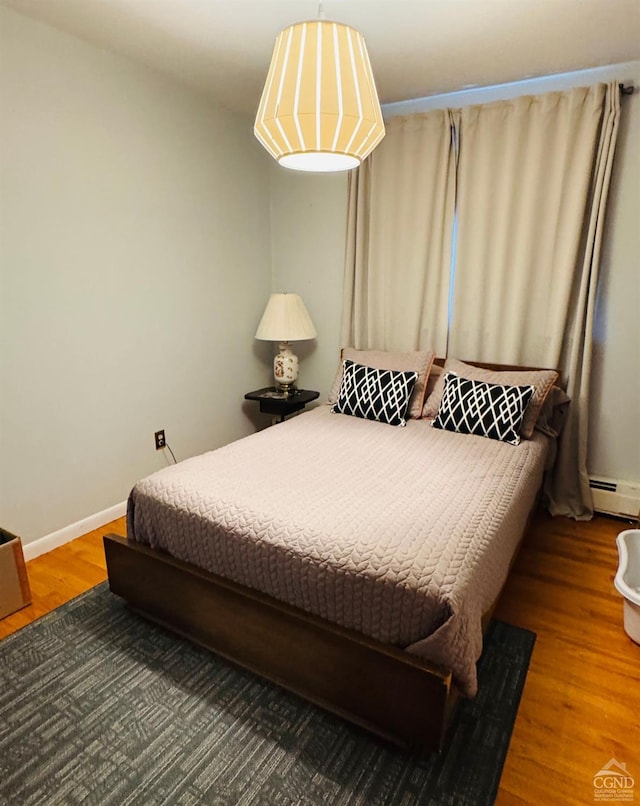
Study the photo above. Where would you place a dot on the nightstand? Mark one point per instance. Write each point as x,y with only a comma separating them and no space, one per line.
273,401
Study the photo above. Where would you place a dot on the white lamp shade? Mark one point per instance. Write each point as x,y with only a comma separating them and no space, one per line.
319,109
285,319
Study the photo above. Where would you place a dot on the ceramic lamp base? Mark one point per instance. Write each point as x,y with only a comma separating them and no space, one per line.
285,368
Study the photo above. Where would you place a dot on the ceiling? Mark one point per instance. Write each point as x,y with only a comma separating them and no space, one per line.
417,47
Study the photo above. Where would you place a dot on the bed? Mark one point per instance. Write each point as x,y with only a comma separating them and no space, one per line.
350,561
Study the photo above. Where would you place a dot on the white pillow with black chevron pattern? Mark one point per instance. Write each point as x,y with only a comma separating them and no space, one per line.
481,408
375,394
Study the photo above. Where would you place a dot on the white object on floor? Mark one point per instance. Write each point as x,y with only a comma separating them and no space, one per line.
627,580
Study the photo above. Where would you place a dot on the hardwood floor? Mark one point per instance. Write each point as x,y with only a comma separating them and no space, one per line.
582,698
61,574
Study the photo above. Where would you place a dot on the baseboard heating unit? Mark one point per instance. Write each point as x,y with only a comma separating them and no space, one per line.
615,497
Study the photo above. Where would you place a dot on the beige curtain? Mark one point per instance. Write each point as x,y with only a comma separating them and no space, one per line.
533,178
568,491
399,238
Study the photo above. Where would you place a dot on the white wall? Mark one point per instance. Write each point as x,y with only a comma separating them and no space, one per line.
134,266
308,227
615,424
308,230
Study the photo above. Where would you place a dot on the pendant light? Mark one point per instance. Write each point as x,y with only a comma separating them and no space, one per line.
319,109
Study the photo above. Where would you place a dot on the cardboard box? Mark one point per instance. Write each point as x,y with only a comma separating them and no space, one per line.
14,583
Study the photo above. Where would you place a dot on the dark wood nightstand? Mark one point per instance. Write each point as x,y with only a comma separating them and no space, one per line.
273,401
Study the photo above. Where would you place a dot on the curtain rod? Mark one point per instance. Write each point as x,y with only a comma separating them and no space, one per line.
626,90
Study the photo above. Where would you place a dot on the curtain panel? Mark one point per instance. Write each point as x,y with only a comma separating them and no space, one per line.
399,238
533,178
567,490
517,190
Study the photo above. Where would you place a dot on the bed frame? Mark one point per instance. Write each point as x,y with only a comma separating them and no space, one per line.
391,693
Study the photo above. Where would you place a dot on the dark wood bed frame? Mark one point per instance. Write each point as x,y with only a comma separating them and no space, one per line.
390,693
383,689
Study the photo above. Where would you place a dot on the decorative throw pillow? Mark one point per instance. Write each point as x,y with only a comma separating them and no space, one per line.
541,379
412,361
486,409
375,394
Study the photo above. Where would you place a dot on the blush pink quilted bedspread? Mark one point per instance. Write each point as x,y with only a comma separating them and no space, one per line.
403,534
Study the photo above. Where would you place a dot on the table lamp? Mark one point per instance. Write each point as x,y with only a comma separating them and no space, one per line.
284,320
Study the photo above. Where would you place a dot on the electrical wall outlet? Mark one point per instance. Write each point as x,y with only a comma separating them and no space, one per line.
161,442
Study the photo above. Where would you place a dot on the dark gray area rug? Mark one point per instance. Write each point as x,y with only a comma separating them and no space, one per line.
97,706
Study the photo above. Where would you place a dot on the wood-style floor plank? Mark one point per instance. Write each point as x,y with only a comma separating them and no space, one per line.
581,703
62,574
582,699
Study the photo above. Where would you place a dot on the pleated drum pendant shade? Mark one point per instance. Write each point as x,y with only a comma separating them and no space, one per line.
319,109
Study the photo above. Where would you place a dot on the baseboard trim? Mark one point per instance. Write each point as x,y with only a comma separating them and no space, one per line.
68,533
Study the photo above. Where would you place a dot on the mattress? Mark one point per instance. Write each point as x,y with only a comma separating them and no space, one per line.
403,534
